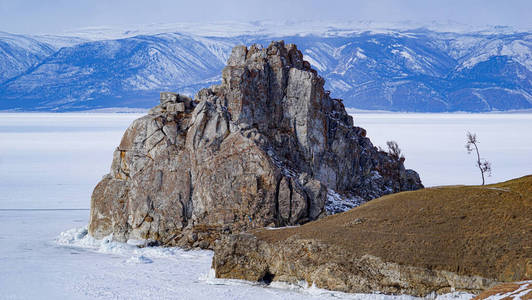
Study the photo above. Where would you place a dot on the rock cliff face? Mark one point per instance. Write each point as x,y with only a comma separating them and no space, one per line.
244,256
264,148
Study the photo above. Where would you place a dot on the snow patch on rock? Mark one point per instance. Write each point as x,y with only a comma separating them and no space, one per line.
337,203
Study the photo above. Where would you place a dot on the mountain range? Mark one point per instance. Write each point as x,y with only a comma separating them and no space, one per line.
402,69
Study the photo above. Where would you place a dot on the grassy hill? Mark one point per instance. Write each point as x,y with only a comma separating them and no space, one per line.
469,230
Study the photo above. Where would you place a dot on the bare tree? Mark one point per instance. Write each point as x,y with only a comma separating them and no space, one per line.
394,167
395,151
483,164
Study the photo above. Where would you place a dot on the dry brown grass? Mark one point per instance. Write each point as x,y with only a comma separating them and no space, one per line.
470,230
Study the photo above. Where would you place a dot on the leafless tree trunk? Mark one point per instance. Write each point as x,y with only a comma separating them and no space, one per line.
483,165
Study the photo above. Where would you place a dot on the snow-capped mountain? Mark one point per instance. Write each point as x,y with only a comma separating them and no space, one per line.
427,71
115,73
386,69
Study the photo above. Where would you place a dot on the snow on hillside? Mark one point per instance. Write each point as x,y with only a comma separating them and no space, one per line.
112,73
412,67
518,47
19,52
59,41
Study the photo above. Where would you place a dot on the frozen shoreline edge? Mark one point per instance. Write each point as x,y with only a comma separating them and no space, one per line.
133,254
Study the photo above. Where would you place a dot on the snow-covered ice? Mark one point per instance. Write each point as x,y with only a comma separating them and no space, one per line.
55,160
40,262
49,164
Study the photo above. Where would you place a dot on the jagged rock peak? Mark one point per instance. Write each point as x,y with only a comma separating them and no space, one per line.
266,147
275,91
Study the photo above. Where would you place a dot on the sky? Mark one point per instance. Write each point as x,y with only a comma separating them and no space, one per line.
56,16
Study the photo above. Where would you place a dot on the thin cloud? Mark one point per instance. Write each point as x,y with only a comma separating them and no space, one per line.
37,16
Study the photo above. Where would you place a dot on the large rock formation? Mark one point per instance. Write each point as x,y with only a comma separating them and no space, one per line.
264,148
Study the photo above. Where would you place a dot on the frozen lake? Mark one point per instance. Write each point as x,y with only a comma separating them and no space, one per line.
49,164
55,160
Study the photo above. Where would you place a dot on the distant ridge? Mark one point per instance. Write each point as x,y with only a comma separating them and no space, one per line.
409,68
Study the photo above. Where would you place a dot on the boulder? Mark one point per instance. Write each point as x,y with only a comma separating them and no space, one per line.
263,148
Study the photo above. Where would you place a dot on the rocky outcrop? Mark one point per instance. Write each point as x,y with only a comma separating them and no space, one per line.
458,238
244,256
264,148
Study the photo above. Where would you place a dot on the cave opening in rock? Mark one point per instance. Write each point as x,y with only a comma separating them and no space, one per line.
267,278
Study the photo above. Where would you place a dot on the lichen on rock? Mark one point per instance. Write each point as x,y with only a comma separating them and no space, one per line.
263,148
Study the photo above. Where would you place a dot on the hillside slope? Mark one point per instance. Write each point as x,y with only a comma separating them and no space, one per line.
115,73
436,239
19,52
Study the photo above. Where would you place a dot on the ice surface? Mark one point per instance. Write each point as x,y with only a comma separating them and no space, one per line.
55,160
49,164
40,262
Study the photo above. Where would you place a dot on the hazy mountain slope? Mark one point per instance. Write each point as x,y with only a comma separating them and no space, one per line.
500,83
58,41
384,71
414,70
425,71
126,72
18,53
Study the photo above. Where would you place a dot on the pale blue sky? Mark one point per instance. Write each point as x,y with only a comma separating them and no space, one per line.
52,16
